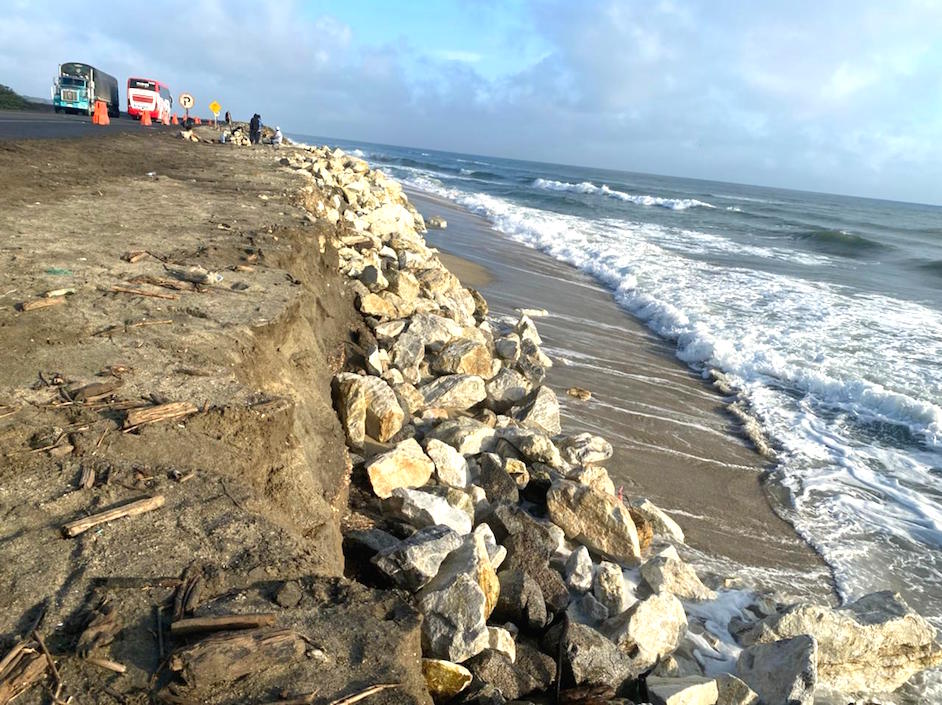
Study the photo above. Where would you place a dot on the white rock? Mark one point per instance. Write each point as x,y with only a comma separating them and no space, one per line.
421,509
457,392
579,570
781,672
403,466
451,468
499,639
595,519
675,576
690,690
609,588
660,522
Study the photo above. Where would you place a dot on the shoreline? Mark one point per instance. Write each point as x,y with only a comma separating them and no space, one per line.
680,479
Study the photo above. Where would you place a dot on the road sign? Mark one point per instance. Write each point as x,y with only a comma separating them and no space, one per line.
214,108
186,101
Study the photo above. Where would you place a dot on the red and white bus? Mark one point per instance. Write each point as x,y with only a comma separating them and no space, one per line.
147,96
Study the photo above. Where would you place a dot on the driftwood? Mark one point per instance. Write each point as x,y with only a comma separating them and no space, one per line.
226,657
221,623
42,303
161,412
135,256
95,390
140,506
107,664
187,596
366,692
20,669
174,284
138,292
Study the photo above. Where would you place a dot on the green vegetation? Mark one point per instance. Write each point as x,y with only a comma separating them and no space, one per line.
9,100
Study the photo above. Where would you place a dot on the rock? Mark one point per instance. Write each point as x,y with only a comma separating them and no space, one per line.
673,575
587,610
434,330
367,405
373,277
508,347
691,690
454,625
444,679
481,308
378,306
517,470
588,657
535,446
609,588
454,392
579,393
451,468
540,411
526,329
408,351
404,285
585,449
467,436
873,645
643,528
596,477
471,558
421,509
649,629
533,671
403,466
390,330
370,541
527,551
660,522
497,484
414,561
781,672
507,519
732,691
436,221
463,356
289,595
520,601
595,519
459,499
579,570
506,388
500,640
409,397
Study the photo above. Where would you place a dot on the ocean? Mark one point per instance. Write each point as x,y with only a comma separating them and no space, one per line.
823,312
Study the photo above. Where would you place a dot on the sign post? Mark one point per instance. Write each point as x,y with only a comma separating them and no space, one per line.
214,108
186,102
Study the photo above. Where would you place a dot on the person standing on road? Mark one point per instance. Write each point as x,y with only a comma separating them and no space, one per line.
255,129
228,118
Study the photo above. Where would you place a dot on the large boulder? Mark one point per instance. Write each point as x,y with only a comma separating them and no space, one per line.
535,446
367,405
471,559
589,658
585,449
421,509
403,466
579,570
595,519
531,671
463,356
454,392
690,690
505,389
649,630
540,411
609,588
467,436
408,351
413,562
520,601
497,483
660,522
434,330
873,645
675,576
451,467
781,672
454,627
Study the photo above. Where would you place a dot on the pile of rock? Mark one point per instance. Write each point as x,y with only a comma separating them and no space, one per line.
508,533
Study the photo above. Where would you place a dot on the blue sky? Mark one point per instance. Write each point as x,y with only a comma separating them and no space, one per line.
841,97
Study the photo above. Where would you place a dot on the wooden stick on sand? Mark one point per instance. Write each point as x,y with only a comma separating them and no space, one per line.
161,412
221,623
140,506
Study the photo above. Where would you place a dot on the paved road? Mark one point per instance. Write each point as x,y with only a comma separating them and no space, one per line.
19,124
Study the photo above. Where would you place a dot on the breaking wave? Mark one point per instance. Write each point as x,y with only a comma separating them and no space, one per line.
677,204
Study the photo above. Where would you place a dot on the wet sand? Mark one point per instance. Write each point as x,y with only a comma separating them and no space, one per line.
674,441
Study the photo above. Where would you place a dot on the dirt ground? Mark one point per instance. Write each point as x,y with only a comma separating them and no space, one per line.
255,479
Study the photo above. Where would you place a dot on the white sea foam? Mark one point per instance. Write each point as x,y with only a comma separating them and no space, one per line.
847,386
677,204
358,153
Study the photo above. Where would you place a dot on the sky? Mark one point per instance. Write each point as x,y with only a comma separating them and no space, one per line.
841,97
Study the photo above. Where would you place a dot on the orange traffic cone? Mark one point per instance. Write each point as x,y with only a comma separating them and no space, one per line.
174,120
100,115
145,118
197,121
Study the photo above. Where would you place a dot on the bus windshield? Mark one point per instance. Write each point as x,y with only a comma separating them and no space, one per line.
71,81
142,84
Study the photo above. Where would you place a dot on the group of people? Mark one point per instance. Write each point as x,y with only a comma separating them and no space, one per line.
255,132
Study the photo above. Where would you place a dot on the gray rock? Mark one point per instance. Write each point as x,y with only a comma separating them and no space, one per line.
781,672
421,509
408,351
434,330
533,445
660,522
526,329
497,484
415,561
585,449
289,594
457,392
732,691
527,551
367,405
649,629
587,610
873,645
462,356
454,627
540,411
579,570
608,586
589,658
532,671
520,601
467,436
507,347
506,388
373,278
690,690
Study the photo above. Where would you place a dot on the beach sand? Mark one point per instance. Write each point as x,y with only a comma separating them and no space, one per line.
674,441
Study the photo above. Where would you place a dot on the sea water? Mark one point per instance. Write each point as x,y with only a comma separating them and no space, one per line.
823,311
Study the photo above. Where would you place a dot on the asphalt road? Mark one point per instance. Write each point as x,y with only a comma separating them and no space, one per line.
22,124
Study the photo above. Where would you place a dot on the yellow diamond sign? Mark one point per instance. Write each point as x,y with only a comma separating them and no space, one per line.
215,107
